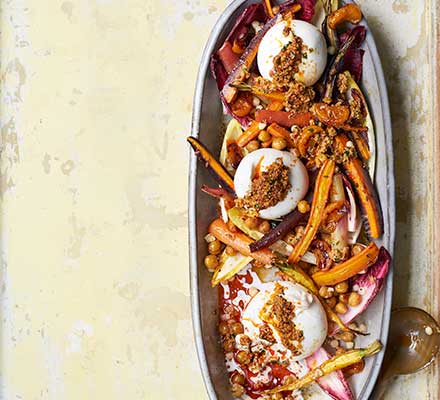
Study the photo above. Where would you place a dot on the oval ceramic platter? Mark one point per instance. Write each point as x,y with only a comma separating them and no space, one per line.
208,124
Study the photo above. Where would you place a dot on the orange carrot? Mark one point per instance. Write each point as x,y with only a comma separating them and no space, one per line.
278,131
239,241
349,268
322,188
365,191
306,134
268,7
250,133
283,118
275,105
217,170
361,145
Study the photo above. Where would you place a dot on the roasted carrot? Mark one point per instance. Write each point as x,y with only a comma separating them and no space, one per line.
275,105
349,268
332,115
240,242
361,145
322,188
365,191
268,8
217,171
242,105
306,134
278,131
250,133
283,118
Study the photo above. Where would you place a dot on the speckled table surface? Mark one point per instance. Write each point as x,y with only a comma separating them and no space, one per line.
96,105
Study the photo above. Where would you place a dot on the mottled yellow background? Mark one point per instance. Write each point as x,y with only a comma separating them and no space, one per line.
96,105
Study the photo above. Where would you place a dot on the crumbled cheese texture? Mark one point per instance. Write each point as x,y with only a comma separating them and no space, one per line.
268,188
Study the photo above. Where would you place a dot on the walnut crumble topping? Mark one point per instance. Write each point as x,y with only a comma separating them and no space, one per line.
268,188
280,313
286,63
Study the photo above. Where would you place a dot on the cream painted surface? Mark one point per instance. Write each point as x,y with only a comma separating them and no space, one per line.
96,105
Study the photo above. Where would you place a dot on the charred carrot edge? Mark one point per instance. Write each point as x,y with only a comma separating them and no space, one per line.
250,133
217,192
365,191
217,170
349,268
278,131
320,197
361,145
239,241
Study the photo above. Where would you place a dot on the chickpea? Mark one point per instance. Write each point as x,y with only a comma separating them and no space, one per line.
279,143
232,227
264,136
238,378
343,298
331,302
229,345
215,247
230,251
223,328
341,308
346,336
354,299
237,328
264,227
243,357
253,145
211,262
290,238
237,390
342,287
251,222
325,292
303,206
356,249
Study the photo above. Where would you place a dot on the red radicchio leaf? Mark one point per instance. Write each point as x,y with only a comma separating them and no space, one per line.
218,71
307,8
353,63
335,383
254,12
353,59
